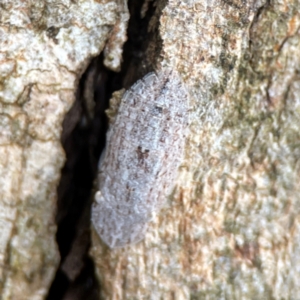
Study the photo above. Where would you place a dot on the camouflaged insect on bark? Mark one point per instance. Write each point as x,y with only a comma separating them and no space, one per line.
144,148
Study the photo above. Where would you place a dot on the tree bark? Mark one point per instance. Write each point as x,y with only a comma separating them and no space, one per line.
45,47
231,229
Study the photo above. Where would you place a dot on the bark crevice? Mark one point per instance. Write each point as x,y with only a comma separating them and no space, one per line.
83,139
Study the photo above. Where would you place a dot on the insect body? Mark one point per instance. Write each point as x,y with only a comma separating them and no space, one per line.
144,148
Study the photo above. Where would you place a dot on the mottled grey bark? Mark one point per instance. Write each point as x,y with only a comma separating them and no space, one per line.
44,48
231,229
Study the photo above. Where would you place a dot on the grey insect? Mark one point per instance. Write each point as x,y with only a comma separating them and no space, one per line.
144,148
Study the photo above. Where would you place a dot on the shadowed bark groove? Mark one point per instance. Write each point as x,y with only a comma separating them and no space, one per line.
83,140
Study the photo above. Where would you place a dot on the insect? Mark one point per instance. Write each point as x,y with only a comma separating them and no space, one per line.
144,147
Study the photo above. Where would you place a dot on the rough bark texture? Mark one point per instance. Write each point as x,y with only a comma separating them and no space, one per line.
232,227
44,48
